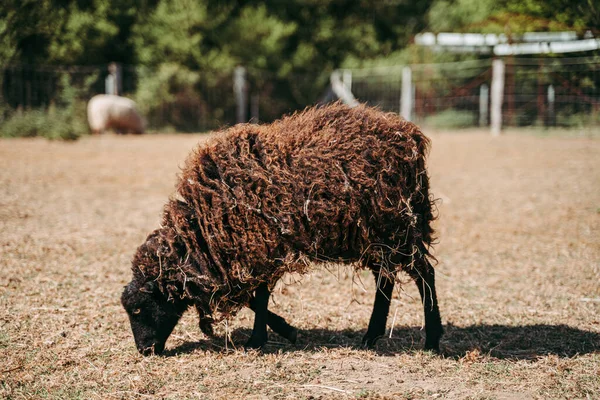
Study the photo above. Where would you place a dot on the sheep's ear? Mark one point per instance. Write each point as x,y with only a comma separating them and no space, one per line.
149,287
129,288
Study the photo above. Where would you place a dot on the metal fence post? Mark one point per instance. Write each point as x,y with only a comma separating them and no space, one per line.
240,91
406,96
497,96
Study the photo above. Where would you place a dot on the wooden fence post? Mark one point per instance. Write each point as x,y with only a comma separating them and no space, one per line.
406,96
113,81
240,91
541,104
484,102
340,89
347,79
550,111
497,96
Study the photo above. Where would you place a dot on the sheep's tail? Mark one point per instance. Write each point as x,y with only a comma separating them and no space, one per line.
425,205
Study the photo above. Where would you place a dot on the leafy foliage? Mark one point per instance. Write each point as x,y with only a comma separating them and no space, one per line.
64,119
295,36
289,47
453,119
514,16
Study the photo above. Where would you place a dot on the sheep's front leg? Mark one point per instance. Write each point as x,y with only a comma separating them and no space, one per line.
381,308
261,303
278,324
425,279
206,323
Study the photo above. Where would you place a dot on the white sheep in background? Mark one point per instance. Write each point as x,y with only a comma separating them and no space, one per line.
107,111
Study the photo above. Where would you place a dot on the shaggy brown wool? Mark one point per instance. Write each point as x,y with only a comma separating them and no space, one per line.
326,184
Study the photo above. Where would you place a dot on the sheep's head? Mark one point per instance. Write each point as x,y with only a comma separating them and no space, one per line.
151,315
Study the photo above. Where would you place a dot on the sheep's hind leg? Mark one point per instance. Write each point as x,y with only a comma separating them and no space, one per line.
259,335
424,277
381,308
278,324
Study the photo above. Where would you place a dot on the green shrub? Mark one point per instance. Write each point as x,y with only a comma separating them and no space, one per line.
66,123
452,119
64,119
23,124
577,120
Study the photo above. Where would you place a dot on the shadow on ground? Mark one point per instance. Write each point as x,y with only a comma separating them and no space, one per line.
499,341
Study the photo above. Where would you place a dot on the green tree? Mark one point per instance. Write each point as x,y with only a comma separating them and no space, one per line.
66,32
514,16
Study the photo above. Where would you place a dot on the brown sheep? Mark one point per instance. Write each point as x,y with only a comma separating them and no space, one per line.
327,184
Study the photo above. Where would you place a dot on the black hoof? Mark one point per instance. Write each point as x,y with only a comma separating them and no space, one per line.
293,337
368,342
433,347
432,340
254,343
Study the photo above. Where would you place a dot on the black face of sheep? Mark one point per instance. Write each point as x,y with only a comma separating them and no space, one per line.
151,315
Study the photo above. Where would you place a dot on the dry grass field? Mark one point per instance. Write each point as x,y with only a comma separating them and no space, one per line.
518,282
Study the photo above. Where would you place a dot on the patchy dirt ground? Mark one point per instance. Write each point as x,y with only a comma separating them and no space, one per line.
518,278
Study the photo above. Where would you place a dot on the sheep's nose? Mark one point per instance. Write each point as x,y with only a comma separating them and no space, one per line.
154,348
148,351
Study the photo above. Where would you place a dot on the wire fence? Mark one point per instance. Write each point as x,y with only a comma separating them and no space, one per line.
548,91
536,91
171,98
168,100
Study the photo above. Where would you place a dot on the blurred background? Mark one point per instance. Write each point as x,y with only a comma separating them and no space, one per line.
194,66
